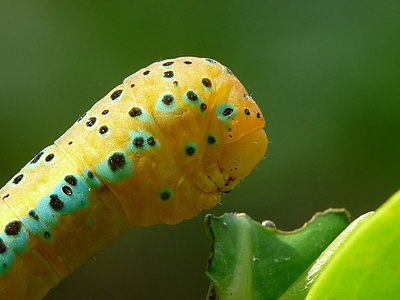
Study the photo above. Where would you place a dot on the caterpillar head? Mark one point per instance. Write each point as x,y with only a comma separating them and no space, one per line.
239,124
210,134
215,129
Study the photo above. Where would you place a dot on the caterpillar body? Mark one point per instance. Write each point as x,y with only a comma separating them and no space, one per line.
159,148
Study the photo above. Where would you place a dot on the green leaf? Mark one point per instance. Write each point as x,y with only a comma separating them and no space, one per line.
252,261
301,287
367,266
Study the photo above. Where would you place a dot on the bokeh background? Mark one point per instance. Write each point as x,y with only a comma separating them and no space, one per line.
325,73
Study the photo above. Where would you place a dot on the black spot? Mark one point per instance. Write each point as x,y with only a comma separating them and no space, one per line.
190,150
103,129
151,141
247,112
37,157
18,179
49,157
203,107
33,215
168,63
175,83
71,179
230,135
168,74
192,96
13,228
91,121
211,60
229,71
47,235
104,112
67,190
227,111
56,203
116,161
90,174
132,85
165,195
206,82
3,247
135,112
81,117
167,99
6,196
70,143
187,62
211,139
116,94
138,142
258,115
146,72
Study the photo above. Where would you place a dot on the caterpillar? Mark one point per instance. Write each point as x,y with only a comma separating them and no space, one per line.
158,148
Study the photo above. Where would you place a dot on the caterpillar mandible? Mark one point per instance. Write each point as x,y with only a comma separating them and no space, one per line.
158,148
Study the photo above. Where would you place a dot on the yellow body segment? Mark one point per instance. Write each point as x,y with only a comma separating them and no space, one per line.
159,148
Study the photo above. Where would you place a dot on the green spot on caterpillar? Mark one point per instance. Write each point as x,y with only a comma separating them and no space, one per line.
191,149
166,194
116,168
226,112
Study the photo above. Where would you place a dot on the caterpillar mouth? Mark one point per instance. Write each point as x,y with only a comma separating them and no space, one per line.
240,158
237,161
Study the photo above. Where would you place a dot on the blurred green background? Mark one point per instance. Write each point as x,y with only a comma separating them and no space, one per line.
325,73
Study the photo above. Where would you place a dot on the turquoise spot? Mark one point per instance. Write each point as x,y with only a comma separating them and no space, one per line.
211,140
116,168
226,112
18,243
68,196
12,245
144,115
41,219
73,201
166,104
36,226
166,194
7,259
141,141
92,180
191,149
